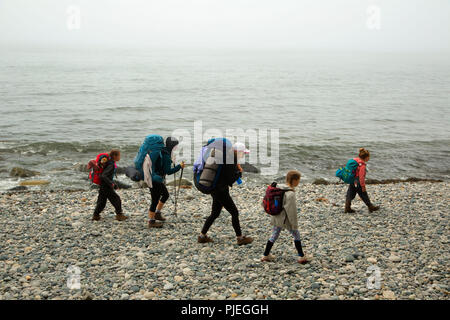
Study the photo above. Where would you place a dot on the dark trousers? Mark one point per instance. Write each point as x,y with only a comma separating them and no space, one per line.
107,193
353,190
222,199
159,193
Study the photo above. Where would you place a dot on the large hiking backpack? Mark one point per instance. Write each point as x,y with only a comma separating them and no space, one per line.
348,173
209,164
96,167
133,174
273,200
152,144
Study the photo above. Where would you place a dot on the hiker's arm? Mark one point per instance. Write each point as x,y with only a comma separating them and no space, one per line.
232,173
167,167
109,170
362,178
174,169
290,206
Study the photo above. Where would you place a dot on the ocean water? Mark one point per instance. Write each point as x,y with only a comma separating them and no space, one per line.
60,107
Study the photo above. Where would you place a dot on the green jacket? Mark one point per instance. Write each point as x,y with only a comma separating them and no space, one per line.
162,165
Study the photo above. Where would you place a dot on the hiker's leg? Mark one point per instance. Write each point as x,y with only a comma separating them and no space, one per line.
155,192
163,199
275,234
230,206
363,195
115,200
351,192
215,212
159,206
297,242
101,201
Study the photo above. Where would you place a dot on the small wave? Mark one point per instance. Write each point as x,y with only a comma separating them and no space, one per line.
46,148
122,109
63,93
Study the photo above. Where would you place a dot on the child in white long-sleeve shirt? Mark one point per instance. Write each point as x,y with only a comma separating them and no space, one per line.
287,219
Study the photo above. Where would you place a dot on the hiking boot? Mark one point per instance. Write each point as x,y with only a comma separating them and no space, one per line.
155,224
373,208
244,240
158,216
302,260
268,258
204,239
121,217
96,217
348,207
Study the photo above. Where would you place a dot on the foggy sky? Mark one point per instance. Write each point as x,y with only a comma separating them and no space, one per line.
413,25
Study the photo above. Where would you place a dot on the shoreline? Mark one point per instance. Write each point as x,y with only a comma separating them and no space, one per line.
45,232
134,186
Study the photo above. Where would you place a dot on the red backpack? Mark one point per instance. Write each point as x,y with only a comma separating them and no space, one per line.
96,167
273,200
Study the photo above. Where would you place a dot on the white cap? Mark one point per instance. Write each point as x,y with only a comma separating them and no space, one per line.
240,147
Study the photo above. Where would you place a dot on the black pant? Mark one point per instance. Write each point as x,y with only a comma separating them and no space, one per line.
222,199
159,193
108,193
353,190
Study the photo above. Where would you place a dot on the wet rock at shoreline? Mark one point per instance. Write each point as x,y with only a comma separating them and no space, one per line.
122,185
34,182
22,173
320,181
184,182
390,181
18,188
247,167
81,167
142,185
120,170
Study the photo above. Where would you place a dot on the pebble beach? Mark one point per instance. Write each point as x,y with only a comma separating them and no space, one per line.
46,232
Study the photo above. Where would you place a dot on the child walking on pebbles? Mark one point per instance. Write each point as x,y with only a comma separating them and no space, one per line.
287,219
359,186
107,187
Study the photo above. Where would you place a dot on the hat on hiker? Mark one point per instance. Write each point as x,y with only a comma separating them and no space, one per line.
171,143
240,147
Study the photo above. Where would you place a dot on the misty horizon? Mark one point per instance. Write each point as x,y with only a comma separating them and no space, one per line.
398,26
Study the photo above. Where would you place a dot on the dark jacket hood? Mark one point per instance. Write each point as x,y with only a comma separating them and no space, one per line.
171,142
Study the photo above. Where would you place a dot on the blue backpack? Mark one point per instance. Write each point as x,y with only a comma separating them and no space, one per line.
206,171
152,144
347,173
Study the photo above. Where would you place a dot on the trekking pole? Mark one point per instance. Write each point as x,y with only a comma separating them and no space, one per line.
179,183
175,192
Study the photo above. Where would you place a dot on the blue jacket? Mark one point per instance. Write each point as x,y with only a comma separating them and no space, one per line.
162,165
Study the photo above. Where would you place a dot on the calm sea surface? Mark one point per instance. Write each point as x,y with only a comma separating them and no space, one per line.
62,107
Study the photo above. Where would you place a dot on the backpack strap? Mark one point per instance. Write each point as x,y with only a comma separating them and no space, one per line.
115,170
159,169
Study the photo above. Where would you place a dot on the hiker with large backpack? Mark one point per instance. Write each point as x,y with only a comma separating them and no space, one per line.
280,203
102,173
154,162
215,171
354,173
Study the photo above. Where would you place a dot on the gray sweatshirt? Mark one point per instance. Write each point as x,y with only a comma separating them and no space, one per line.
287,219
